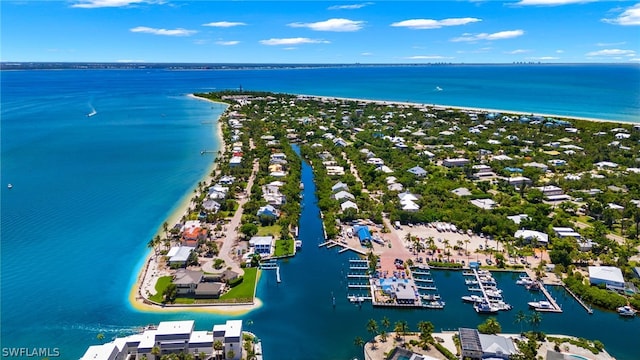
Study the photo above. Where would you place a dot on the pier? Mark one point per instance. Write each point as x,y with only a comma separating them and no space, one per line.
584,305
555,308
278,274
331,243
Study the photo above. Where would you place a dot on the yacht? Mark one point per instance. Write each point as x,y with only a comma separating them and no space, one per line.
524,281
484,308
434,304
627,311
10,186
473,299
92,113
542,304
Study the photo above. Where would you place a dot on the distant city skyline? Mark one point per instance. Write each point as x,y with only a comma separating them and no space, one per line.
473,31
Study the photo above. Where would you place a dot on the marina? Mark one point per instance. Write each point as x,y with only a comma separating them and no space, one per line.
550,305
491,300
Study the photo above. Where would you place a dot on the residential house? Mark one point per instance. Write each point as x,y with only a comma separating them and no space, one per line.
458,162
268,211
519,181
179,255
262,244
532,237
339,186
230,334
343,195
348,205
478,346
486,204
418,171
610,276
187,281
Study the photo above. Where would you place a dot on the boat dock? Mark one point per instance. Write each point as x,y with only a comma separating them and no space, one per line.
278,273
584,305
331,243
555,308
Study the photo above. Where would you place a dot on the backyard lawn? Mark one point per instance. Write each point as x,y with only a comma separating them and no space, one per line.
244,291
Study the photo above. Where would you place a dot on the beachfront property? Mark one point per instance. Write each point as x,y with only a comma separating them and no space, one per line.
610,276
178,256
172,337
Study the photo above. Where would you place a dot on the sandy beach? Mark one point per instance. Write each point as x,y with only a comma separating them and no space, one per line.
464,108
149,273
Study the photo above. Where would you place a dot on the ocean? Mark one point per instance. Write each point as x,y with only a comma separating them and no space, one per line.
89,192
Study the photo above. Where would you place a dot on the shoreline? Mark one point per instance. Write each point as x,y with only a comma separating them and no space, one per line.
136,297
468,108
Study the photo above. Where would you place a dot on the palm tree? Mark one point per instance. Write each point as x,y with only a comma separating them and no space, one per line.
401,328
165,228
231,354
372,328
155,351
358,341
426,329
152,245
385,323
218,346
202,355
521,317
100,336
535,319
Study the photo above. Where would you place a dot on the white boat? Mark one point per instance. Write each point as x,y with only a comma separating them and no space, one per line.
438,88
626,311
484,308
473,298
9,186
435,304
92,113
542,304
471,282
524,281
430,297
298,244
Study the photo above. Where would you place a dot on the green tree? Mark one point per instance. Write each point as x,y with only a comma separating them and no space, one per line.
100,336
218,346
490,326
155,351
401,329
231,354
535,319
521,318
170,293
249,229
358,341
372,328
426,329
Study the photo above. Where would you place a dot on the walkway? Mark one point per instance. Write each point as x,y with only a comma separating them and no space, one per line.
397,250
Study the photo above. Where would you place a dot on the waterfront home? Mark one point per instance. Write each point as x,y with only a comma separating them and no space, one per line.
179,255
261,244
533,237
170,337
482,346
186,281
610,276
227,180
192,232
211,205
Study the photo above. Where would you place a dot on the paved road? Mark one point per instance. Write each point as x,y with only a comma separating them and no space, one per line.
227,252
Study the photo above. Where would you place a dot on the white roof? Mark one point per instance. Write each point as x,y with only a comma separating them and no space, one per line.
261,240
518,218
496,344
348,204
100,352
148,340
175,327
182,254
607,273
233,328
486,204
530,234
410,205
198,337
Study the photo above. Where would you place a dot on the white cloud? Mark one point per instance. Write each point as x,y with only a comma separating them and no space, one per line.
228,43
611,44
338,25
559,51
552,2
548,58
631,16
224,24
165,32
292,41
91,4
421,24
518,51
635,60
612,52
366,54
349,7
501,35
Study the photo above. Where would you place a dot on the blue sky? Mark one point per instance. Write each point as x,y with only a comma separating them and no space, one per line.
458,31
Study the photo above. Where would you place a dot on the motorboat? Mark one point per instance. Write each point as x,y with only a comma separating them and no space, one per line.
473,298
524,281
542,304
484,308
627,311
534,286
435,304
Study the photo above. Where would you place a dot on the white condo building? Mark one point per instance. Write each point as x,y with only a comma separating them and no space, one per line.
172,337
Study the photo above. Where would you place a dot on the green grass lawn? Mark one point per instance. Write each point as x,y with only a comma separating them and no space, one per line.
273,230
284,247
245,290
161,284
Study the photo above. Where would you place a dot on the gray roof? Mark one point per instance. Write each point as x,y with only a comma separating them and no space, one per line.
186,277
496,344
182,255
213,288
469,340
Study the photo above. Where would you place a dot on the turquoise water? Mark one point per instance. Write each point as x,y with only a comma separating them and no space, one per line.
89,192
